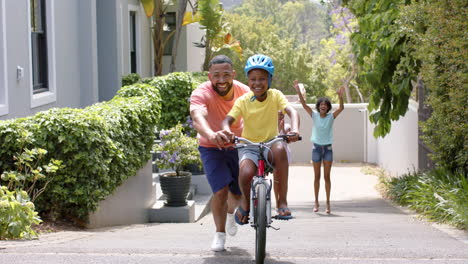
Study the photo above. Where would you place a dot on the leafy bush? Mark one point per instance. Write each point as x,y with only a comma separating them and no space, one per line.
198,78
17,215
176,89
100,146
442,50
130,79
177,149
30,172
439,195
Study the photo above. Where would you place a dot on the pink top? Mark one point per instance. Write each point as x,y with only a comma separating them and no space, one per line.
204,98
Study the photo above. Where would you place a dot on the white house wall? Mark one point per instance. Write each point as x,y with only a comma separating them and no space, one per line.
348,130
113,44
189,58
397,152
72,66
195,56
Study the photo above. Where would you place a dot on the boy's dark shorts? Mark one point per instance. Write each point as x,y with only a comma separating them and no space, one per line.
221,168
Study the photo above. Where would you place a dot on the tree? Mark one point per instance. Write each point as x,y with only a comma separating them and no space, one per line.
182,6
385,61
210,15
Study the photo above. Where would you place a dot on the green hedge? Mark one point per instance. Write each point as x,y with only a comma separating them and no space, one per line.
176,89
100,146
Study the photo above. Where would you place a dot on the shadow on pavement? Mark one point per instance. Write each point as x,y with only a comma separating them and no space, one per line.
238,255
378,206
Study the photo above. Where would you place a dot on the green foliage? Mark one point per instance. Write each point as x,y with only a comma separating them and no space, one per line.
440,38
17,215
439,195
303,20
399,41
130,79
386,64
100,146
287,31
177,149
176,89
291,61
217,30
198,78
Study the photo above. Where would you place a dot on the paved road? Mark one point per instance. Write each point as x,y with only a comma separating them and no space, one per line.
363,228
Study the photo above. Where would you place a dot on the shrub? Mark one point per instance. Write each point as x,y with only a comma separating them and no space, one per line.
176,89
17,215
130,79
100,146
439,195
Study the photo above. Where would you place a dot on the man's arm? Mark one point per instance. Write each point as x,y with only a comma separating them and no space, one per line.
219,138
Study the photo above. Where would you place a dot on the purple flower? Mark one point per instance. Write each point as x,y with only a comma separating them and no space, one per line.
164,133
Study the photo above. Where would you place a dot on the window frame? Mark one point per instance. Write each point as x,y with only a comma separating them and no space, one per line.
48,96
136,10
3,59
168,48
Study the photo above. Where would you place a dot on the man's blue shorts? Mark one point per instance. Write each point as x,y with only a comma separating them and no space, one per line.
322,152
221,168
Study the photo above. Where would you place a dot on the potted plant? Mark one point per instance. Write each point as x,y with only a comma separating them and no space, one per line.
176,151
195,168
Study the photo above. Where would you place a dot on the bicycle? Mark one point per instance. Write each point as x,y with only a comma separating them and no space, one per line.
260,194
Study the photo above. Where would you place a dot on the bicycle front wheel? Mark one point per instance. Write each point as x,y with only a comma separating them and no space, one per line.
261,224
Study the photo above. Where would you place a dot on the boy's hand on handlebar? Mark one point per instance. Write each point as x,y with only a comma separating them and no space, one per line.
293,136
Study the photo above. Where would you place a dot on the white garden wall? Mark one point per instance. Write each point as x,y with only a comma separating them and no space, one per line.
397,153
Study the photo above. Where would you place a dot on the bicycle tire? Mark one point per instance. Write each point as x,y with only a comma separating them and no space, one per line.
261,224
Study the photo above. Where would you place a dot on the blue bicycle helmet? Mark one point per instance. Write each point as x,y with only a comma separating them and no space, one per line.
260,61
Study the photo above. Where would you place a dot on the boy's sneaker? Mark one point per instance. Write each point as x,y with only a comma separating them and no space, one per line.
231,226
218,242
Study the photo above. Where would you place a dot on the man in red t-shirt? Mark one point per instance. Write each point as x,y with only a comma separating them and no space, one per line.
209,105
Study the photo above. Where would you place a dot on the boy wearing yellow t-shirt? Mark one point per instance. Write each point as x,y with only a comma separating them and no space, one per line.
259,110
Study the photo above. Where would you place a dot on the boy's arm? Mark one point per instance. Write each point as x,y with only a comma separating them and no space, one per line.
341,107
295,122
203,128
301,97
226,127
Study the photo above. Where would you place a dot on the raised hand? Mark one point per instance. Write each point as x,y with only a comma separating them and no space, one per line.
340,91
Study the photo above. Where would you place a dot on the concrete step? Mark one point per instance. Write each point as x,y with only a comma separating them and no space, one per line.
199,199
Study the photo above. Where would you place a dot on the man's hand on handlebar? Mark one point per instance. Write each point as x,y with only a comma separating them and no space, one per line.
221,138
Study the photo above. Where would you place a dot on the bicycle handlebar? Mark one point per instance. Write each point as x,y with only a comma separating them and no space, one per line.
238,140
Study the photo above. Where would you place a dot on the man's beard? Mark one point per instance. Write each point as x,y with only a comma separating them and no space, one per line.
228,89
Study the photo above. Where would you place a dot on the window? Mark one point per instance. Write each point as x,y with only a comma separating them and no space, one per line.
39,46
134,39
42,66
3,79
133,47
169,27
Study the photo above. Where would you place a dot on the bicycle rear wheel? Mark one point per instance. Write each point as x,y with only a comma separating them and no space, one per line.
261,224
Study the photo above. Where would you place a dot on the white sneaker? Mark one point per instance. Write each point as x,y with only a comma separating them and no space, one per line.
218,242
231,226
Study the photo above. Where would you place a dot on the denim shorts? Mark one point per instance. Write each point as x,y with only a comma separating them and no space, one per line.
221,168
322,152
